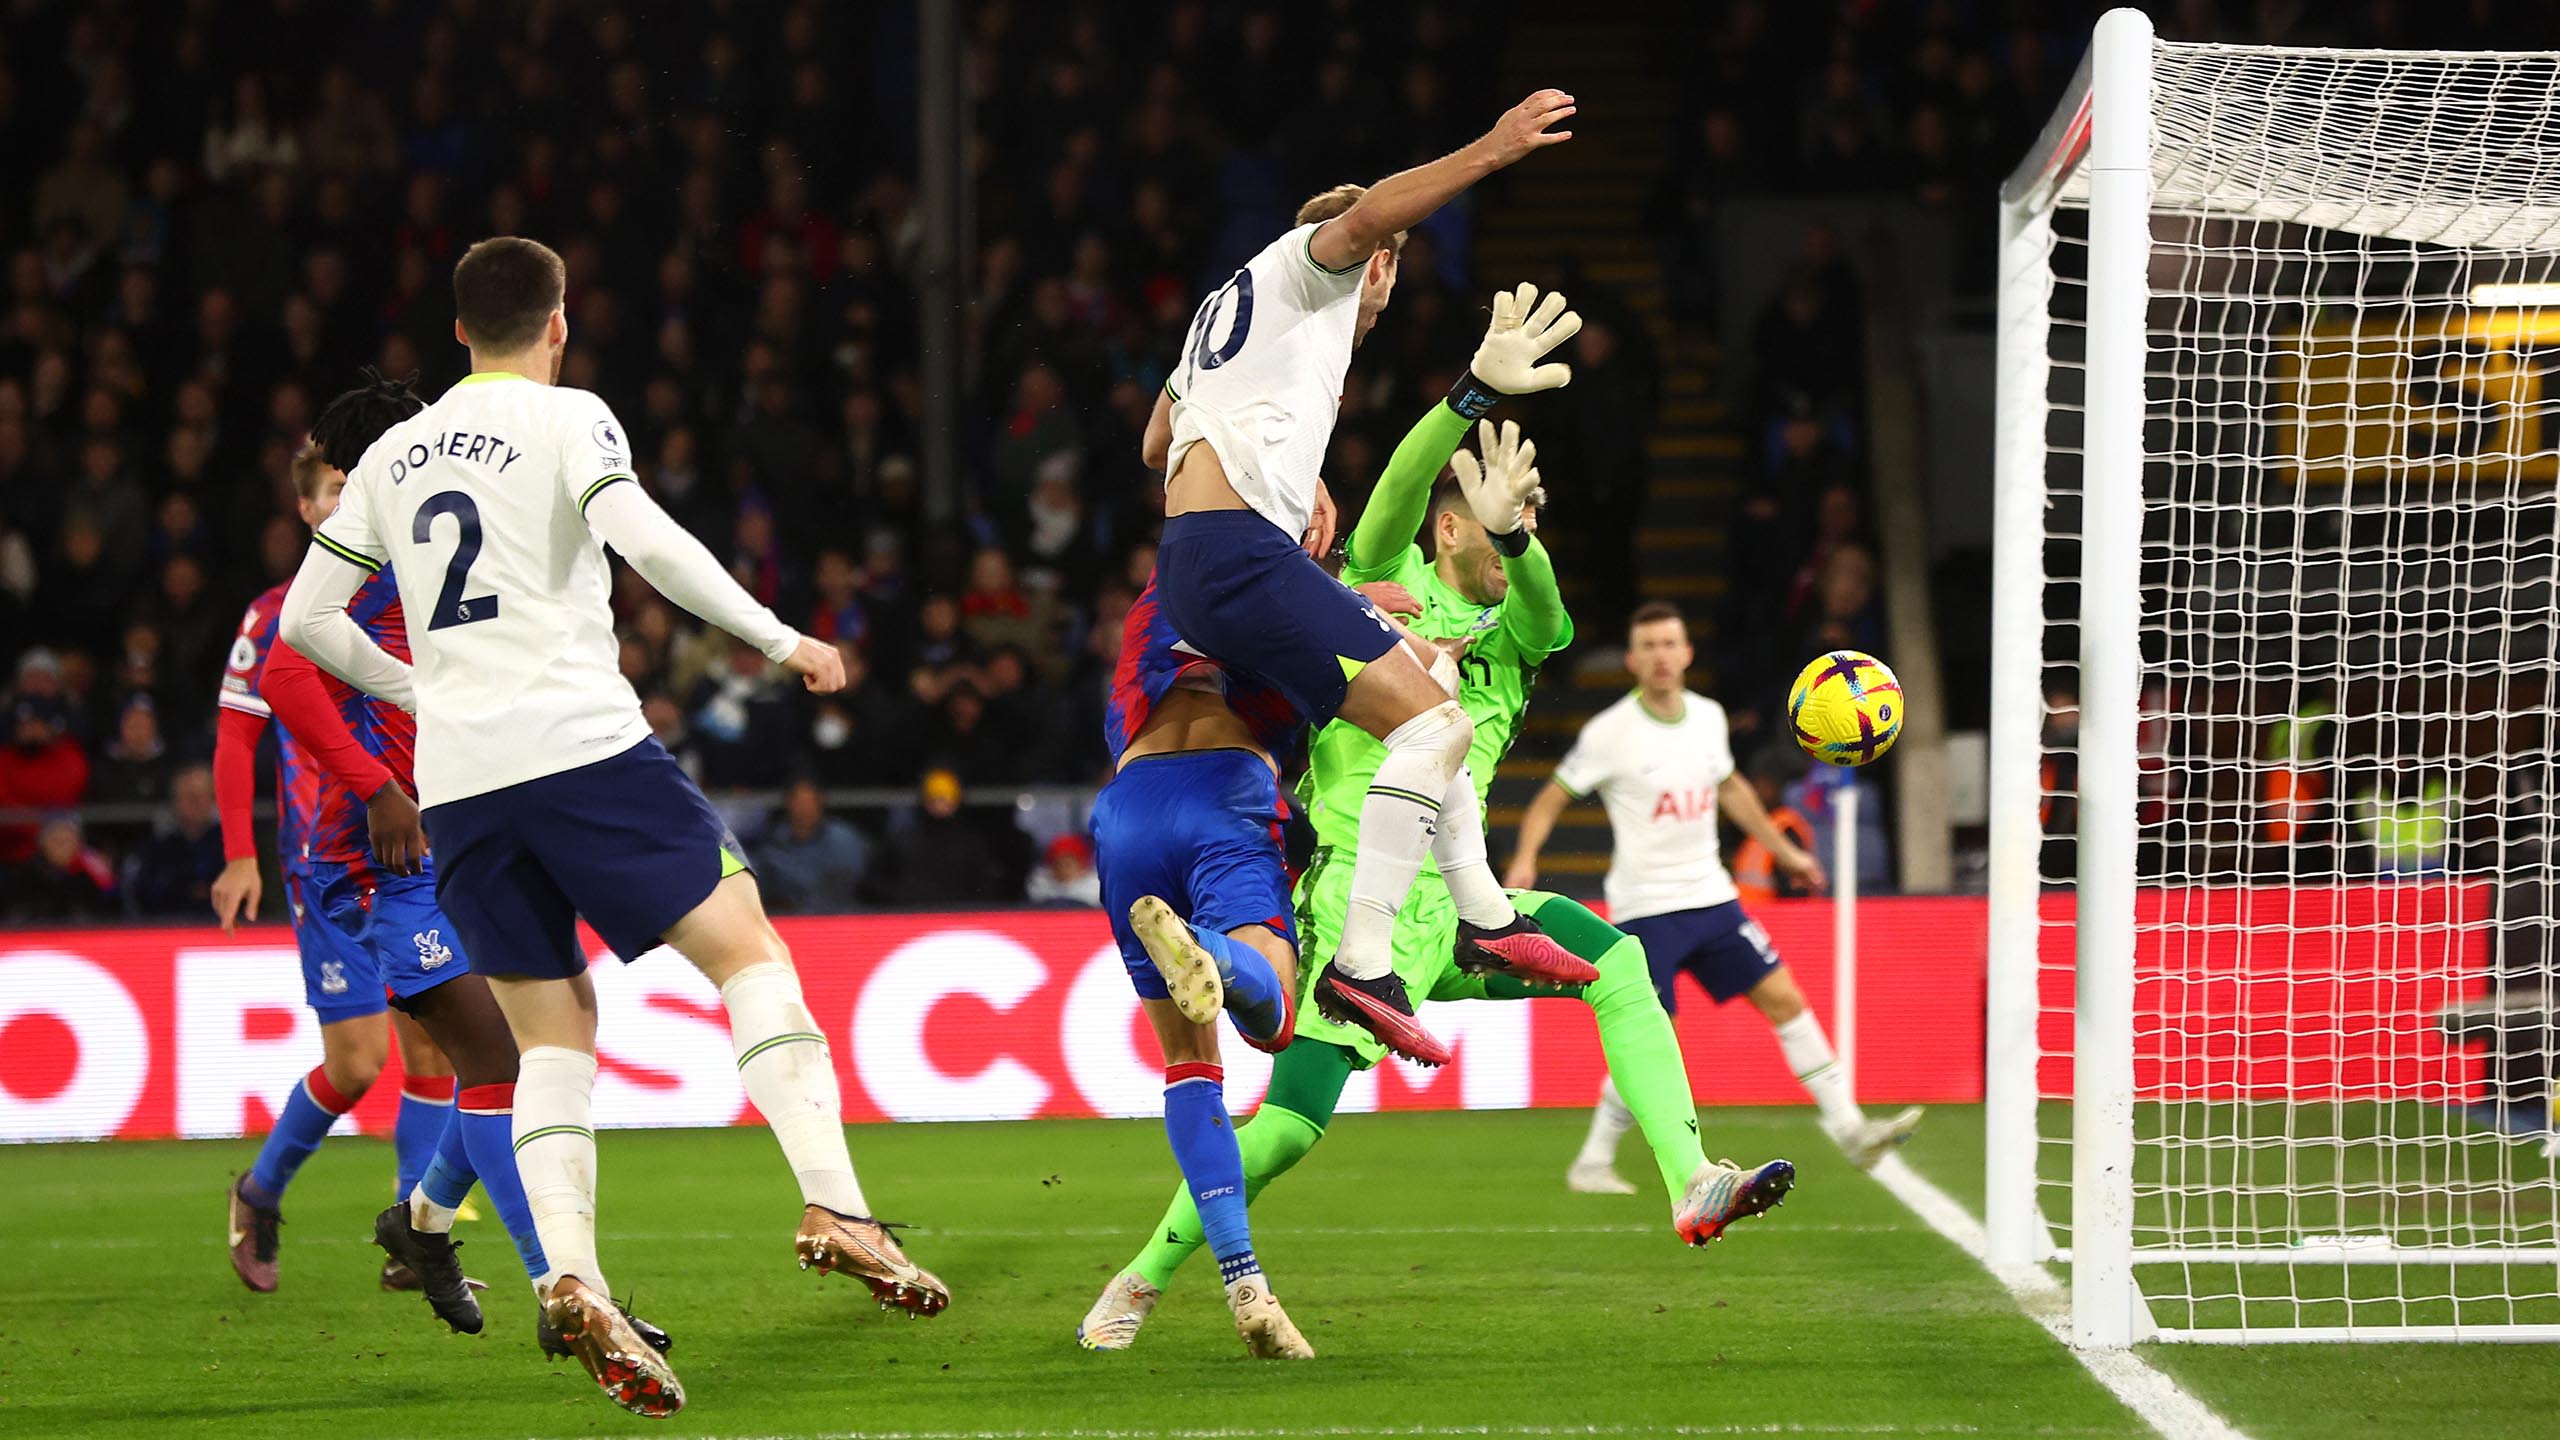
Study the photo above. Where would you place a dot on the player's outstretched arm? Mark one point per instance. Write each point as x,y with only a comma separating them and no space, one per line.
670,559
1393,516
1536,824
1741,805
1407,198
316,622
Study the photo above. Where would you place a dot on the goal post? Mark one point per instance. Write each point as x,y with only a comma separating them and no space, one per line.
2274,776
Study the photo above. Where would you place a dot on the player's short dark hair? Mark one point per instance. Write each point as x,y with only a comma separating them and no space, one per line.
1327,204
349,424
504,290
1653,610
1446,494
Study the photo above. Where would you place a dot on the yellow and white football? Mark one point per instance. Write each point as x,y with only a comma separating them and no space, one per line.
1846,708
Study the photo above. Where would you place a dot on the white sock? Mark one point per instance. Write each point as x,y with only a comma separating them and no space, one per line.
1610,1121
1808,1054
1398,818
790,1074
556,1158
1458,849
427,1215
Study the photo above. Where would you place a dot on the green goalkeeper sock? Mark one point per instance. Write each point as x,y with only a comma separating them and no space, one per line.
1306,1083
1642,1049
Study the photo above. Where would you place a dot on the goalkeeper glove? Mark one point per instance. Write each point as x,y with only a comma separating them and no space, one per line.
1506,363
1500,491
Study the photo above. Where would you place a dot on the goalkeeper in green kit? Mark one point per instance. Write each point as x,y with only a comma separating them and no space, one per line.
1492,606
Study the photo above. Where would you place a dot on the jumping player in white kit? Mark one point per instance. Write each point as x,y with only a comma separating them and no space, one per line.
546,798
1661,760
1240,433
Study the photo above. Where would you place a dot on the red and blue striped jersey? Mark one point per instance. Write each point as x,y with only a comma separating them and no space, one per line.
1154,661
297,774
387,732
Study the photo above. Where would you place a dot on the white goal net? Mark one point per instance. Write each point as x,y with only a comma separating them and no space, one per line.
2276,778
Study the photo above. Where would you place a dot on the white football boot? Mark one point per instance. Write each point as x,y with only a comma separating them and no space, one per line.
1112,1323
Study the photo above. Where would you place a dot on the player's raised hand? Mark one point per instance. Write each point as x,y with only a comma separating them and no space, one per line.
819,665
1504,486
1523,127
1524,331
1391,597
399,836
236,892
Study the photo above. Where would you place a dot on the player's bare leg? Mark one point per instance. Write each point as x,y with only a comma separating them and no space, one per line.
789,1072
1817,1069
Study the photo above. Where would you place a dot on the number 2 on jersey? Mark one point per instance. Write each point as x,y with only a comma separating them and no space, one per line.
452,607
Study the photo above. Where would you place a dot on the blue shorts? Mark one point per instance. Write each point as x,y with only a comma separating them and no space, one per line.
1243,594
340,980
1200,831
1725,949
394,920
628,843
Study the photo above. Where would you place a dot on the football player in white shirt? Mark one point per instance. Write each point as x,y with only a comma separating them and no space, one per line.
1240,433
547,799
1662,763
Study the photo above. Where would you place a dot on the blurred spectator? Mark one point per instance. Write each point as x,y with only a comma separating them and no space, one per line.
60,877
741,720
997,613
1609,413
42,767
809,862
1065,875
172,873
135,766
943,856
866,733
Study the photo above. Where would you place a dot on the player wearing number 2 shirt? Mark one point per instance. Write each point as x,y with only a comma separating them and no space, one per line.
546,798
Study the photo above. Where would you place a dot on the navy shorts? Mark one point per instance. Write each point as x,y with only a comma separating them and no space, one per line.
627,843
1200,831
1725,949
1243,594
340,980
395,920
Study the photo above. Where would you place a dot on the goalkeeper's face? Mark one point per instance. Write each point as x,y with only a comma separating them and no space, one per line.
1468,562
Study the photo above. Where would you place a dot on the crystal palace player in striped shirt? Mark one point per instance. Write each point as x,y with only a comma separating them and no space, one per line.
340,980
1187,839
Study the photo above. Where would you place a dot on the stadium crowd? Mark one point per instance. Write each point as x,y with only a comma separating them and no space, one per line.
215,240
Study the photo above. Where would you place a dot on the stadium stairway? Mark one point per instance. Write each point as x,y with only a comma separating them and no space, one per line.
1584,203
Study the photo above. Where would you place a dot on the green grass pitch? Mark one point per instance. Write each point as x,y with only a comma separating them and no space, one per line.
1448,1282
